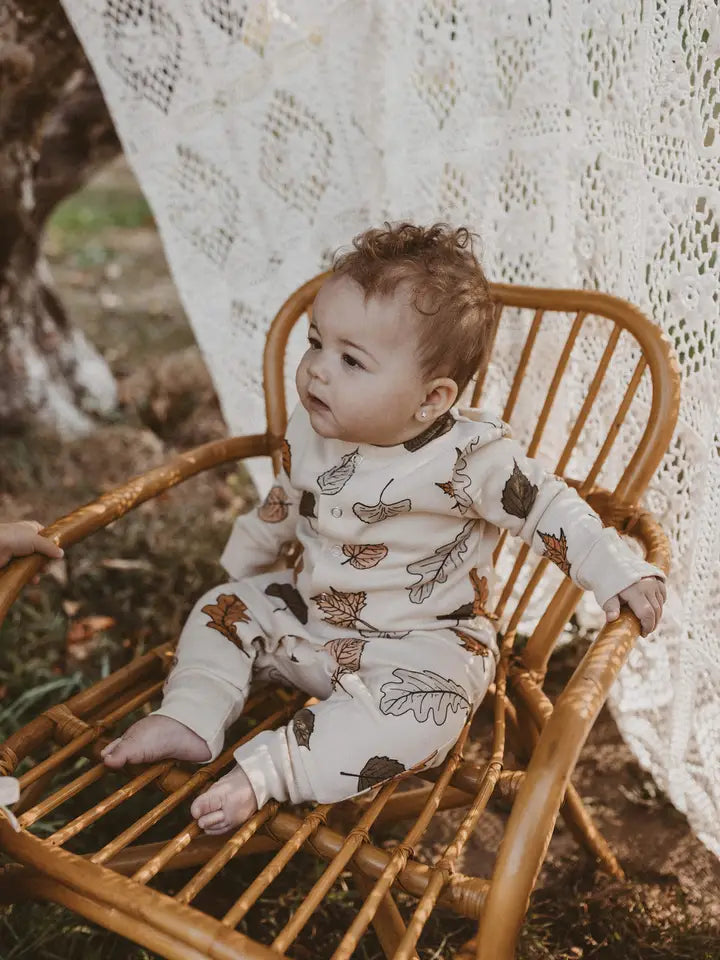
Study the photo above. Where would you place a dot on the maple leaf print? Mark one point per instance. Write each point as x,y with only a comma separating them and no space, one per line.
341,609
286,457
275,507
470,644
346,652
381,510
224,614
556,550
518,494
334,479
291,597
303,725
375,771
424,693
362,557
435,568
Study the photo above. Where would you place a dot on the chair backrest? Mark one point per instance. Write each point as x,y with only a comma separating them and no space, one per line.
590,387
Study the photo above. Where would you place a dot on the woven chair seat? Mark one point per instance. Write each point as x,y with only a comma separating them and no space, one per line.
120,847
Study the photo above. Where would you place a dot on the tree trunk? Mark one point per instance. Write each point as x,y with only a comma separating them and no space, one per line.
55,132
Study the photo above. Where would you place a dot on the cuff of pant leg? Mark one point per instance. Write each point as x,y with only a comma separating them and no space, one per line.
265,775
205,705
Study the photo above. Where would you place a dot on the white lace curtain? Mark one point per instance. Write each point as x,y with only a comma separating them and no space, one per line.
580,139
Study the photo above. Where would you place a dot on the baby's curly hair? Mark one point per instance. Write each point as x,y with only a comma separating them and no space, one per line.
448,287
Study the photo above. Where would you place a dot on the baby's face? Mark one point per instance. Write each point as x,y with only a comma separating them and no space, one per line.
360,379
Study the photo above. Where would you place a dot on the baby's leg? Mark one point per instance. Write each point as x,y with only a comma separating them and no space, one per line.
295,661
401,709
205,691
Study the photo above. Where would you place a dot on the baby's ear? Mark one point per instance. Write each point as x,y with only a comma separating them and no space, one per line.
441,394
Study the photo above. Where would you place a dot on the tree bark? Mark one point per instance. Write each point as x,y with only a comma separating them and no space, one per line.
55,132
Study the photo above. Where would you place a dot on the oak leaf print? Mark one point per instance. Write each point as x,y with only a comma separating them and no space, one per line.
346,652
556,550
375,771
424,693
307,505
482,591
224,614
364,556
518,494
380,510
286,457
341,609
291,597
435,568
334,479
460,480
275,507
470,644
303,725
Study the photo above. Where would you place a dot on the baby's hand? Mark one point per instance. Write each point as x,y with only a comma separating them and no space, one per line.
21,538
645,598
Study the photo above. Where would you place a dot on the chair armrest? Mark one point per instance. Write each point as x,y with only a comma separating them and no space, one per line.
562,736
120,500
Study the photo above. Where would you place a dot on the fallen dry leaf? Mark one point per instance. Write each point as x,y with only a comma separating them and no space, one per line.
80,636
120,563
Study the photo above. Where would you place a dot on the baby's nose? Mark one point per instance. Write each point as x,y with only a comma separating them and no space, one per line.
318,370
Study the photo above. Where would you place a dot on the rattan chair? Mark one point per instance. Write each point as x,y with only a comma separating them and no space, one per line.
111,885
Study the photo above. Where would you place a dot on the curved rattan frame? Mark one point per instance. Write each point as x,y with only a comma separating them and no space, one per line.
111,886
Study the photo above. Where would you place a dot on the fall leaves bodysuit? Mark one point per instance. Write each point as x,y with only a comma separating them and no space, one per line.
383,617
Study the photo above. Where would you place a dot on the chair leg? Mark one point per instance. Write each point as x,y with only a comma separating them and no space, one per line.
531,714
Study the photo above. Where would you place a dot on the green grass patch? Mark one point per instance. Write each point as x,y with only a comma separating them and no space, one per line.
93,210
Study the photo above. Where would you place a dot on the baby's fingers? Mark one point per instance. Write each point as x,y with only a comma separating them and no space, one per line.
646,614
50,549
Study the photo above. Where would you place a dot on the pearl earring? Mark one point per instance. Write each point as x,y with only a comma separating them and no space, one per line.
424,414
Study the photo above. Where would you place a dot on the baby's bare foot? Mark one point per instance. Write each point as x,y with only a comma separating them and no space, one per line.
227,803
155,738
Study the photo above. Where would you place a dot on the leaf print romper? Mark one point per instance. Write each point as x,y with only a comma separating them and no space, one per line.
385,616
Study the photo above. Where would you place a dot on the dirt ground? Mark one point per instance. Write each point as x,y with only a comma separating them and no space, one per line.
144,572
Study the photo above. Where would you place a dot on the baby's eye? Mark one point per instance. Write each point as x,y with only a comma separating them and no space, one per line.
352,362
314,343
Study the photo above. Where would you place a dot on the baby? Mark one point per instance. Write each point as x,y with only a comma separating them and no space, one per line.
396,496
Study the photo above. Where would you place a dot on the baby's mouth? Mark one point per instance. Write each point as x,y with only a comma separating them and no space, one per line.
316,403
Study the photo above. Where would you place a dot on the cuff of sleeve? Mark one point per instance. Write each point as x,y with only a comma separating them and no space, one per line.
610,566
234,558
206,705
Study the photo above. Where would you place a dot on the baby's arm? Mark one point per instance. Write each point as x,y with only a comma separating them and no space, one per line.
257,536
514,491
22,538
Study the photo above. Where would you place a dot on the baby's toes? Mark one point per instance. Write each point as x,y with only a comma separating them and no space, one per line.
119,752
215,822
208,802
108,748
